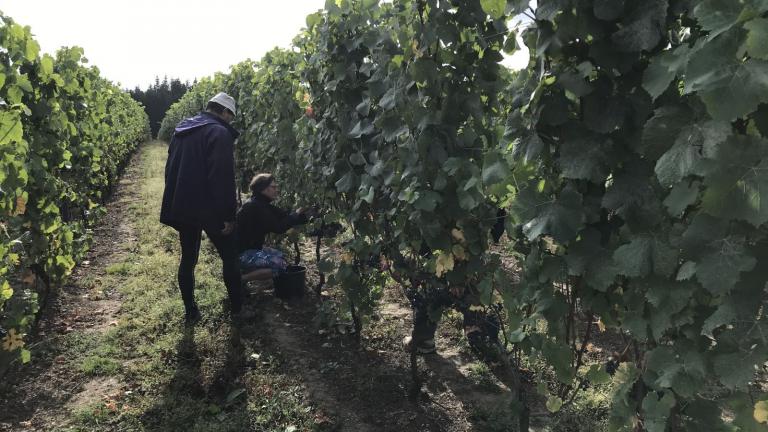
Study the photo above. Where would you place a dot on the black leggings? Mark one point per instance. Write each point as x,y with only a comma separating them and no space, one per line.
226,246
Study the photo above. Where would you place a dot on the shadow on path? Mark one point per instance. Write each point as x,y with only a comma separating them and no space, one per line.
366,389
188,402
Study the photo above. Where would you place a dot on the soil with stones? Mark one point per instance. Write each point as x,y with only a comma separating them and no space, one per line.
364,385
39,395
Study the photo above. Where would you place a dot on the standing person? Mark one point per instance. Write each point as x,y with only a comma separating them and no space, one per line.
200,195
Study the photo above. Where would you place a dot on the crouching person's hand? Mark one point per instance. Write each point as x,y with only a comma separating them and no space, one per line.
309,213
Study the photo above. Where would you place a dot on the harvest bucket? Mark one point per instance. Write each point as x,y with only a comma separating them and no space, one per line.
290,283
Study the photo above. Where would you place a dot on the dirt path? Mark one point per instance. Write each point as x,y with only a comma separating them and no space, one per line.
39,396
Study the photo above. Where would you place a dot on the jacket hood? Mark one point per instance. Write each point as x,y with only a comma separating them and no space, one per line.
189,124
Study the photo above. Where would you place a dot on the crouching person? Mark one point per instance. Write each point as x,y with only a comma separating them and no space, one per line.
255,219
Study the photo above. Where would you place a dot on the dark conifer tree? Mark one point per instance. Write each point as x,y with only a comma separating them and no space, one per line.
158,97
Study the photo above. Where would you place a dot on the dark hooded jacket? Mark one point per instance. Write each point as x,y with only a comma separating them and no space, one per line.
200,174
257,217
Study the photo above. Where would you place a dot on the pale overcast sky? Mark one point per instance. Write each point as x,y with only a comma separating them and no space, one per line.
131,42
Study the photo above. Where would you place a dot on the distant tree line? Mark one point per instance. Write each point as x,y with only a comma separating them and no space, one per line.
158,97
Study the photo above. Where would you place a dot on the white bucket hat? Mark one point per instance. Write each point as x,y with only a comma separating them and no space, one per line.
225,100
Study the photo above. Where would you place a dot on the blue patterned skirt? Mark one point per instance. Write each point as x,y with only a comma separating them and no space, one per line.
254,259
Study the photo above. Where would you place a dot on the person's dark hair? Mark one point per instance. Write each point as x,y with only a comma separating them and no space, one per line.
259,182
217,108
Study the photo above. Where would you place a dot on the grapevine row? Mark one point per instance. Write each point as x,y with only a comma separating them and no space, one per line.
65,133
631,156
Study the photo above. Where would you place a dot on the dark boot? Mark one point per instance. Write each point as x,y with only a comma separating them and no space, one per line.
426,317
